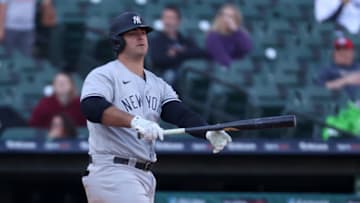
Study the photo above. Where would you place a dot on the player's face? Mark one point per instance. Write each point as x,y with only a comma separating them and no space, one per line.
170,20
136,42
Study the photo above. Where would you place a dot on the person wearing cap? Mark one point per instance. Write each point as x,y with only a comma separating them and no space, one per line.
343,73
123,102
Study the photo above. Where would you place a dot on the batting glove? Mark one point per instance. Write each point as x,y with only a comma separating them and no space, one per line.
148,130
218,139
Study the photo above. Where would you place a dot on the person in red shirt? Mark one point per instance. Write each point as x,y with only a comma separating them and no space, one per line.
64,100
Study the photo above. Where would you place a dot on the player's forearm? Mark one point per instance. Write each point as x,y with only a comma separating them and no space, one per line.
178,114
98,110
113,116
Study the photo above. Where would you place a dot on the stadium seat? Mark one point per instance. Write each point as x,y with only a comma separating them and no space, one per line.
313,102
22,133
190,26
7,76
280,27
82,133
240,66
25,96
318,100
265,101
250,12
202,11
66,10
287,11
258,3
236,104
195,85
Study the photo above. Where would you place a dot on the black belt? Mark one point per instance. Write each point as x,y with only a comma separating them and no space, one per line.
146,166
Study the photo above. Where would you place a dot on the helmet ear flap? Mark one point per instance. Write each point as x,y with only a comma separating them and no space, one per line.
118,44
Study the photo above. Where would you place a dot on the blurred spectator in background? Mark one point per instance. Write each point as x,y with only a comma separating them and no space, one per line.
17,23
46,21
345,13
228,39
64,100
343,73
169,48
61,127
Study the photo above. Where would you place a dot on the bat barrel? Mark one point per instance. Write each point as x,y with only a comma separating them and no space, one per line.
249,124
274,122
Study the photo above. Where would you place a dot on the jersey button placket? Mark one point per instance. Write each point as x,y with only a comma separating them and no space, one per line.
152,146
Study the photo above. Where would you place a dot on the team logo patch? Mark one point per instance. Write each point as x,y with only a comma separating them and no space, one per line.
136,20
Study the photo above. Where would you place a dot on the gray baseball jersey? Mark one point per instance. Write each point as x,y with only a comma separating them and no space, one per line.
130,93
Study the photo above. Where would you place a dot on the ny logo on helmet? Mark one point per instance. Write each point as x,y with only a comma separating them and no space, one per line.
136,20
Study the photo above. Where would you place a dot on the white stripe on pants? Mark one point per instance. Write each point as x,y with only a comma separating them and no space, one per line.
108,182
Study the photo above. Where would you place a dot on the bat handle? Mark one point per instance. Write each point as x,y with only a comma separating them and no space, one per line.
174,131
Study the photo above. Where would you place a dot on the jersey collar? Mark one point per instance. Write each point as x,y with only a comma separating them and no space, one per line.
122,66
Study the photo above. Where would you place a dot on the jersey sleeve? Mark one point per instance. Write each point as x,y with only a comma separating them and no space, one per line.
98,83
168,94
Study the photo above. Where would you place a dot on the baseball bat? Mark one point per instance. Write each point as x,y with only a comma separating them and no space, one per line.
285,121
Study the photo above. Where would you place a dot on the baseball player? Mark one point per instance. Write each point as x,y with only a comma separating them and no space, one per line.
122,100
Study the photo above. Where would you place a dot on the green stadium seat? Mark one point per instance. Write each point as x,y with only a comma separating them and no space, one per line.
302,3
302,53
195,85
66,10
2,51
287,11
6,95
236,103
22,133
153,11
313,101
24,64
114,7
318,100
202,11
240,66
82,133
78,81
258,3
161,3
285,79
99,24
263,78
7,76
280,26
25,96
250,12
265,101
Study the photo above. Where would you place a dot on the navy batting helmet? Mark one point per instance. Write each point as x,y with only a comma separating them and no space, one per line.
123,23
